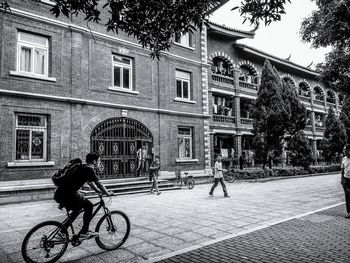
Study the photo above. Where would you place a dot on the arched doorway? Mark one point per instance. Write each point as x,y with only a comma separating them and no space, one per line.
117,140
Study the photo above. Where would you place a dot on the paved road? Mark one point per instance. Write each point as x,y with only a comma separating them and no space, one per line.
180,220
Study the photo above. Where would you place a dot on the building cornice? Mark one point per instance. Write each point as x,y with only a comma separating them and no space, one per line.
230,32
273,58
98,103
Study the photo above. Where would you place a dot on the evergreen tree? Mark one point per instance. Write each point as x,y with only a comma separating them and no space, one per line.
297,110
334,136
345,116
300,151
269,114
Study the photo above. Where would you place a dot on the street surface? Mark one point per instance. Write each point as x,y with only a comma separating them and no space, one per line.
184,220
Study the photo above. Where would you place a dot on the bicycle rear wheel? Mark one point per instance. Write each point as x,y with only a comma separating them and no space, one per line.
45,243
190,183
113,230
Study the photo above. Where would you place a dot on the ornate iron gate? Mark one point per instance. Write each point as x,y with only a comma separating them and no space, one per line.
117,141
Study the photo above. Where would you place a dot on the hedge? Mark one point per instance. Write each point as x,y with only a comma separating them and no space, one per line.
255,173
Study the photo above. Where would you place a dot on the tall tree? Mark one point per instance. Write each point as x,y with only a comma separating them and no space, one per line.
297,110
329,25
156,22
269,114
334,136
345,116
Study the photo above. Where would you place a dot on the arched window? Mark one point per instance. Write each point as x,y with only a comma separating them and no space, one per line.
221,66
330,97
248,75
304,90
318,93
289,80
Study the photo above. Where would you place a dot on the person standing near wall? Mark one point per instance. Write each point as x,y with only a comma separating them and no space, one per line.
154,170
345,178
219,177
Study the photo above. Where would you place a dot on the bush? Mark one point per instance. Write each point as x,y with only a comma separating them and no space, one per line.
256,173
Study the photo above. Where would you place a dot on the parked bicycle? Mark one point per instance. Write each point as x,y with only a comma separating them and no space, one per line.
47,241
184,179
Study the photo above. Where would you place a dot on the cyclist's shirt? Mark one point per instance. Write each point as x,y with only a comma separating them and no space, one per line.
217,170
83,175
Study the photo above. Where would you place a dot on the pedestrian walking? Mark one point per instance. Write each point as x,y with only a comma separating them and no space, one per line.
345,178
154,170
219,177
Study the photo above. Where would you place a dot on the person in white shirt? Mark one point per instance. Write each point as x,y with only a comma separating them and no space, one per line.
219,177
345,178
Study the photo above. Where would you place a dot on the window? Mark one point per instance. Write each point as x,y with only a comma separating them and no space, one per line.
32,56
185,143
184,40
183,80
122,72
31,137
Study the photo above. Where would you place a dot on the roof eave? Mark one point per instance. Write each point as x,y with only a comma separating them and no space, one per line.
236,34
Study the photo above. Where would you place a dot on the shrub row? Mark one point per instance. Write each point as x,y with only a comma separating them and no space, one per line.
255,173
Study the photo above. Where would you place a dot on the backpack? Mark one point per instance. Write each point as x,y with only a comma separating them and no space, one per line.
60,177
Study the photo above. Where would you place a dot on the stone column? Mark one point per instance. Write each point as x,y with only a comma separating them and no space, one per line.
237,106
238,145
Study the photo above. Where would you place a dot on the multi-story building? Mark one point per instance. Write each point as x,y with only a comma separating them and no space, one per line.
68,87
234,80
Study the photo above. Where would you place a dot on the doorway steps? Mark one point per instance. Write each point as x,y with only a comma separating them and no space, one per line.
130,186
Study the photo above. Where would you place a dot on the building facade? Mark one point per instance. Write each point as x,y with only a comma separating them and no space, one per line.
234,81
67,88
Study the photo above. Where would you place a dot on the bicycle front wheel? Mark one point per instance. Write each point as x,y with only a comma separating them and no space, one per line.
190,183
45,243
113,230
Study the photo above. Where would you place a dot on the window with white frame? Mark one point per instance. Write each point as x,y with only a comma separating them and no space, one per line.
183,81
32,54
122,72
31,137
184,39
184,139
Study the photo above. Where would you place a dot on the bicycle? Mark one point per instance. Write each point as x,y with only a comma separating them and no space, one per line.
187,180
47,241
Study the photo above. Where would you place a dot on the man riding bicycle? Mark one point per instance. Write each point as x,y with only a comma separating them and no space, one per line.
67,194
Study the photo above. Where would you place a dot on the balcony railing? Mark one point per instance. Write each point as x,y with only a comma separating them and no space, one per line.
305,99
319,102
246,121
222,79
247,85
224,119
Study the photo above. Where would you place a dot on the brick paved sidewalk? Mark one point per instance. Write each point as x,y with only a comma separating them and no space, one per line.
319,237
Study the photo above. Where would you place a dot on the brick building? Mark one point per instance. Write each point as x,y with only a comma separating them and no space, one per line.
234,79
66,90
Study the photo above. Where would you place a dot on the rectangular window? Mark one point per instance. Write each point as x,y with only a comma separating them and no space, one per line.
185,39
184,139
31,137
122,72
183,80
32,54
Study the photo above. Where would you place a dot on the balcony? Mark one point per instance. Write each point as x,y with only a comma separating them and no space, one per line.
247,122
318,102
222,79
247,85
224,119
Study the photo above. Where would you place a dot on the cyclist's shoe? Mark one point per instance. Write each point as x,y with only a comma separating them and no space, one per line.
211,195
227,196
347,215
89,234
159,193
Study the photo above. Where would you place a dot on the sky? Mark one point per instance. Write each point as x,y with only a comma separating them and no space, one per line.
280,38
